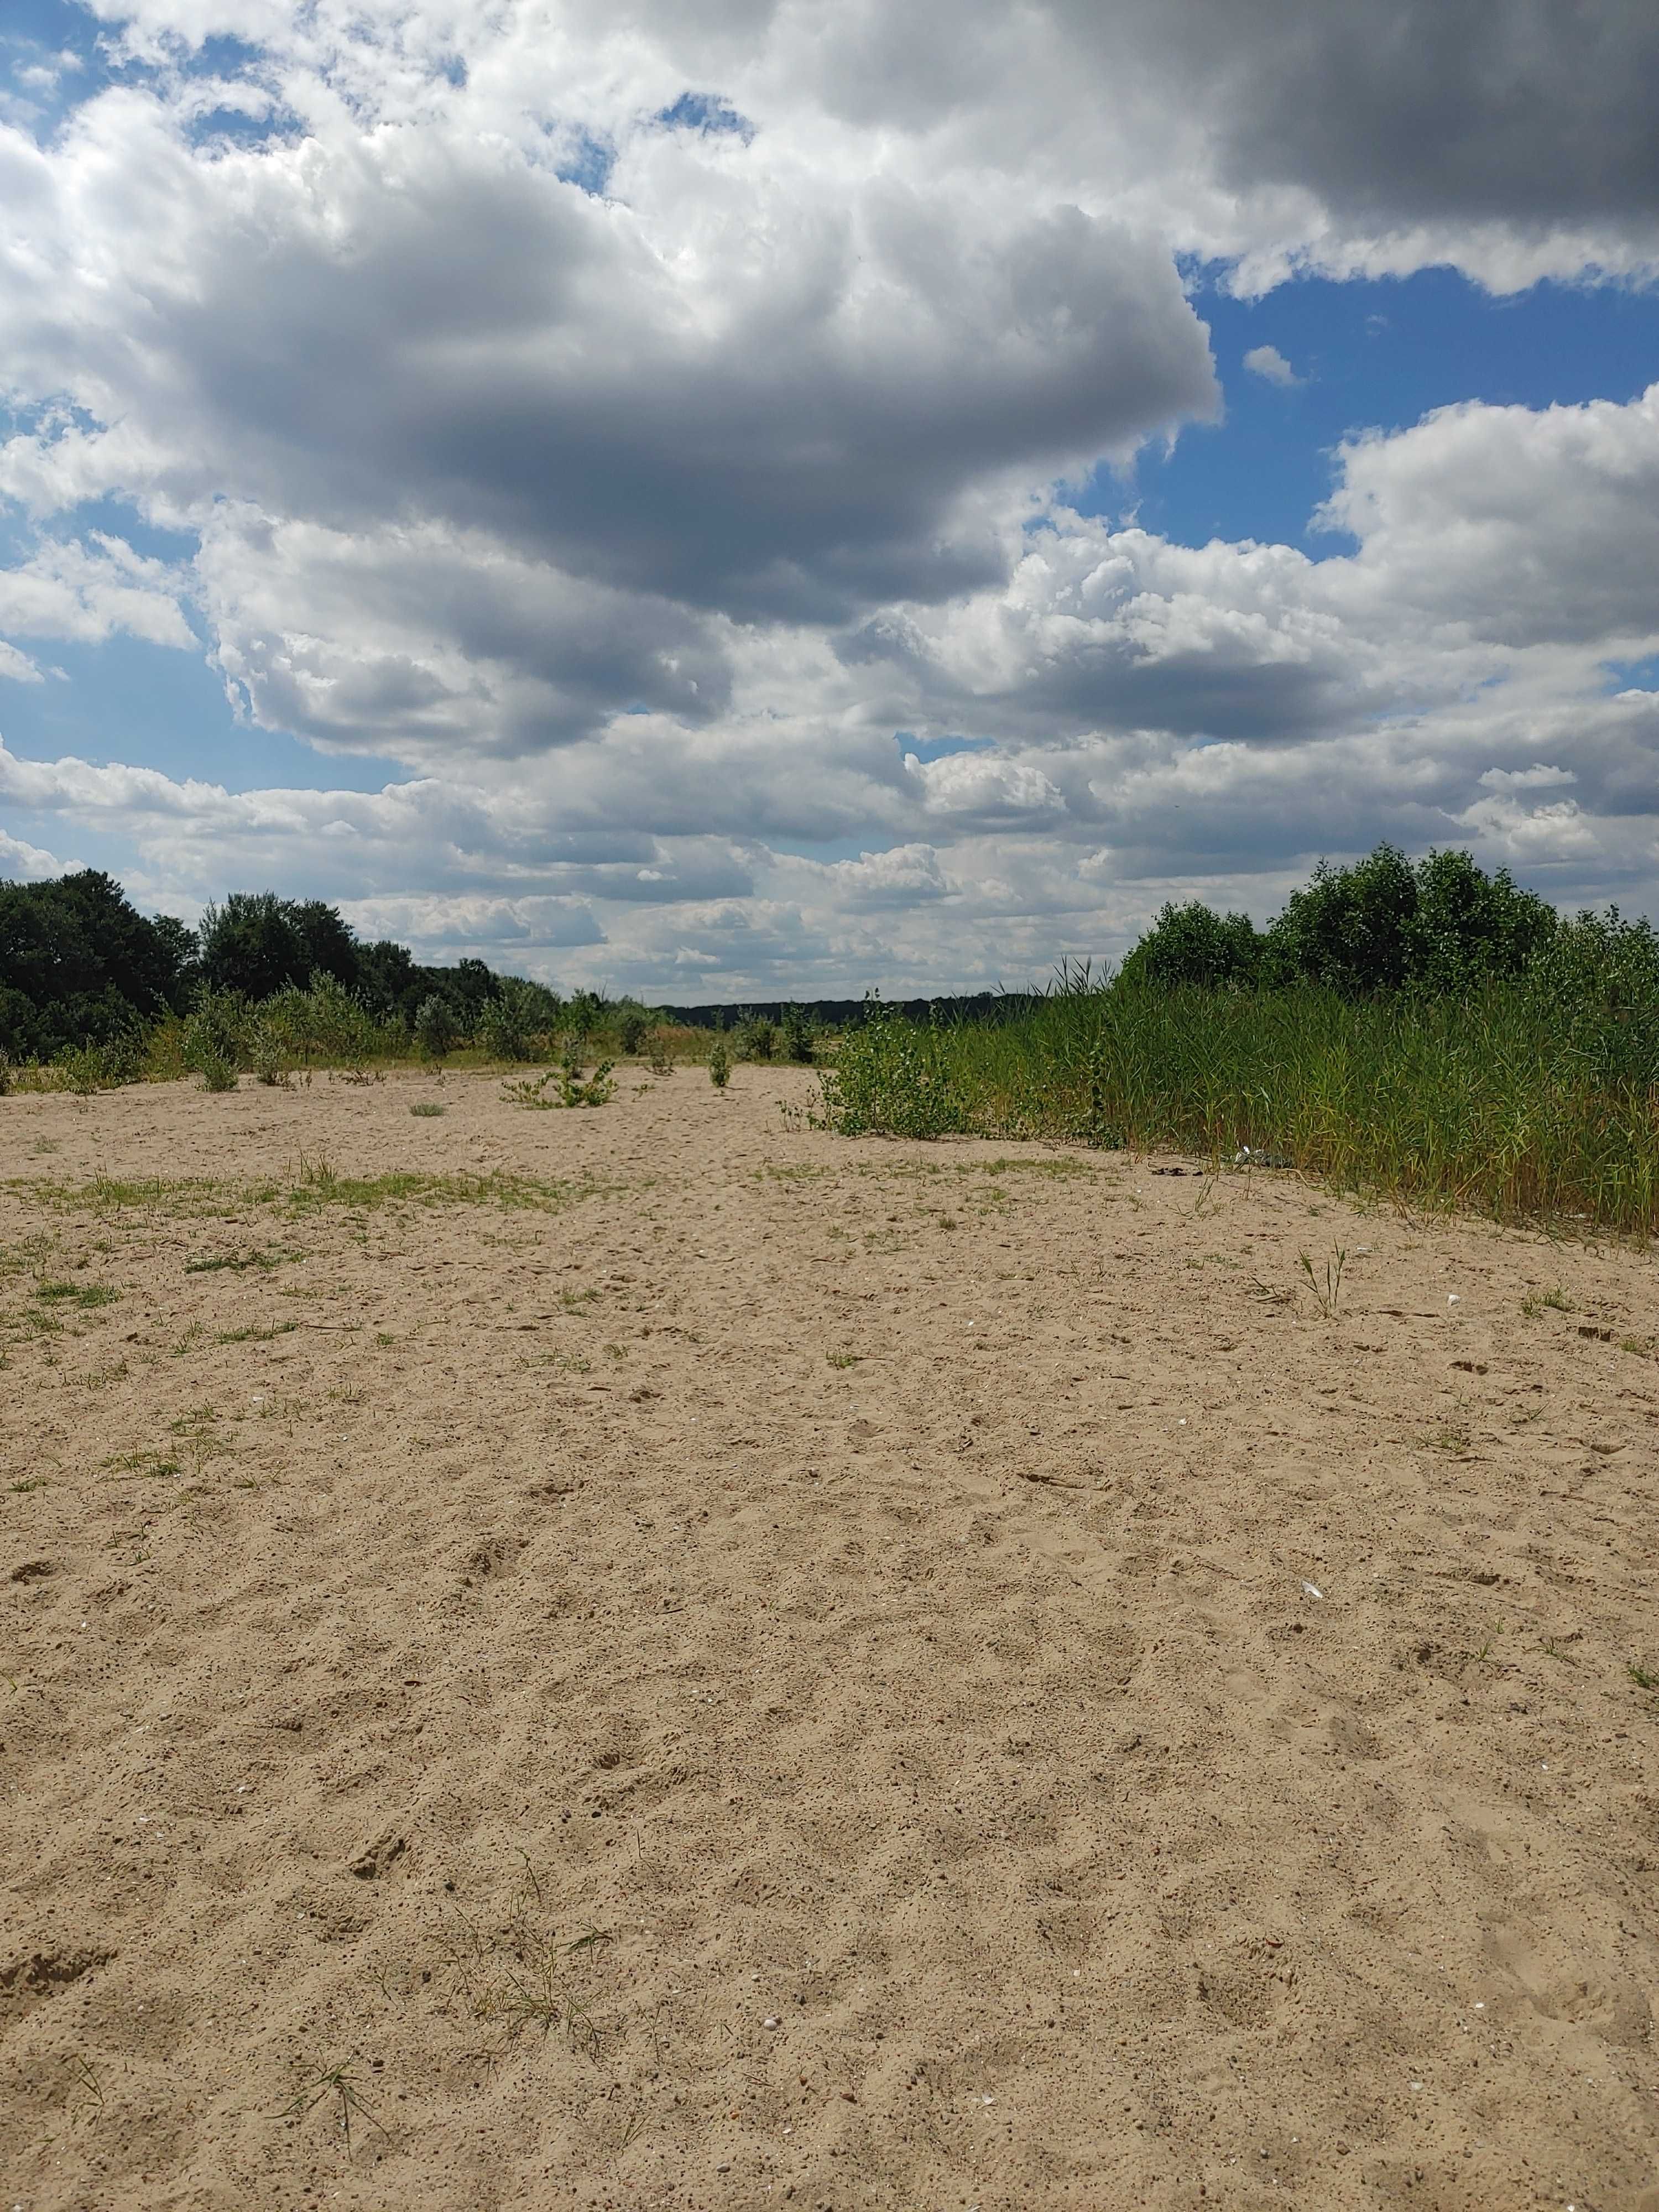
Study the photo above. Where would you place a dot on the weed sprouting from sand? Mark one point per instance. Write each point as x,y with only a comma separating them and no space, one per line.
254,1335
519,1974
426,1109
147,1463
86,1296
844,1358
1643,1677
719,1063
86,2097
597,1089
239,1263
339,2083
1326,1292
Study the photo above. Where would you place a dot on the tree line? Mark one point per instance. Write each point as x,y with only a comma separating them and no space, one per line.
80,967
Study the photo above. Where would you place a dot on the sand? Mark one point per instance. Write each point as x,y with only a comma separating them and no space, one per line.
795,1671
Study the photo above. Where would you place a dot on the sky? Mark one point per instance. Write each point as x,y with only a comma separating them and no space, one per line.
742,498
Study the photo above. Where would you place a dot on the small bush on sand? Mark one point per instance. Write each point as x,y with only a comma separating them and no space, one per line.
597,1090
720,1064
799,1043
434,1028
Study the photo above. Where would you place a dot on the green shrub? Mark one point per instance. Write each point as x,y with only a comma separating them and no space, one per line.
799,1043
597,1090
632,1022
720,1064
435,1028
893,1077
519,1016
757,1037
217,1072
218,1034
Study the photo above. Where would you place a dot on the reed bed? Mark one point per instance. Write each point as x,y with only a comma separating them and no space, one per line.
1501,1101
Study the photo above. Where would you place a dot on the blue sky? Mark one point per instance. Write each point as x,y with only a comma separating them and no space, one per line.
763,511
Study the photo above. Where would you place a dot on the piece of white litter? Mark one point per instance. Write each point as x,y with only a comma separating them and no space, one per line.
1452,1298
987,2100
769,2021
1310,1591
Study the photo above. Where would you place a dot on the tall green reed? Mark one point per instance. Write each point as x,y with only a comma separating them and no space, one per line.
1499,1100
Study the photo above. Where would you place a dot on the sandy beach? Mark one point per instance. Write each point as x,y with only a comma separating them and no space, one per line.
658,1657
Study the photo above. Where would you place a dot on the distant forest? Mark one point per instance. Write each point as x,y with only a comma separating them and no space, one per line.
80,967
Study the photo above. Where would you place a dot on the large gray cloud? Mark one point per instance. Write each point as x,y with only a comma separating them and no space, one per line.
650,424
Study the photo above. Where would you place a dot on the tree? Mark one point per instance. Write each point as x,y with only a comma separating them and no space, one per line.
1349,928
250,944
327,946
1193,943
87,967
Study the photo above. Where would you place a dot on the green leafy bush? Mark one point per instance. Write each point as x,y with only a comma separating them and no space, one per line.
800,1045
597,1089
719,1063
757,1037
893,1077
435,1028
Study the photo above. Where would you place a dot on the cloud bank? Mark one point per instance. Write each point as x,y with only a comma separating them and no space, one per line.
655,432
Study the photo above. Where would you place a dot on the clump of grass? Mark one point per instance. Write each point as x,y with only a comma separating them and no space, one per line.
426,1109
86,1296
843,1359
338,2082
147,1463
237,1263
519,1974
1328,1290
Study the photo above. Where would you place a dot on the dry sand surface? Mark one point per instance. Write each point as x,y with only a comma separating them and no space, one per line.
686,1661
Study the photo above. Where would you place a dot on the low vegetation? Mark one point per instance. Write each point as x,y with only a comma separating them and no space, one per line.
1431,1034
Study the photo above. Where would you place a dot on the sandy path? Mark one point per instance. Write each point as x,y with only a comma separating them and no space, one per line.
964,1795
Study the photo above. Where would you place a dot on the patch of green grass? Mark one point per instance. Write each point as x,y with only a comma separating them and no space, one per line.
1643,1677
253,1334
29,1482
426,1109
87,1296
843,1359
239,1263
148,1463
314,1188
